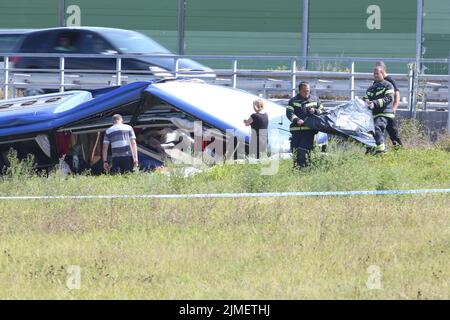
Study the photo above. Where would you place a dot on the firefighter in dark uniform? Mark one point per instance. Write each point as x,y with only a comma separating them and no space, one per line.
380,98
391,127
299,108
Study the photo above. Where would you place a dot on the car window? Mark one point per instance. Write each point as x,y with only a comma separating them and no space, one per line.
94,44
8,42
38,42
67,42
126,41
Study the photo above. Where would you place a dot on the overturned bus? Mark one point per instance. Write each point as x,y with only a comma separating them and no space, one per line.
174,120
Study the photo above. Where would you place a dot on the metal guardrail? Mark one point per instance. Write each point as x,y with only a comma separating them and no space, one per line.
344,82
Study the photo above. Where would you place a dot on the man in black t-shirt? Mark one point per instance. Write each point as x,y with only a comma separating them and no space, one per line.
391,127
259,122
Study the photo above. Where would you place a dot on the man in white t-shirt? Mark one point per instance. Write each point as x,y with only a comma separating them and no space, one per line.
122,139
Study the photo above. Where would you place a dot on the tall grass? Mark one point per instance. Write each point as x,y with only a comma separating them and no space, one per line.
346,167
274,248
245,248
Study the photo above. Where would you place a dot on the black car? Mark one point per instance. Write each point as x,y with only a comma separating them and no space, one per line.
105,41
10,40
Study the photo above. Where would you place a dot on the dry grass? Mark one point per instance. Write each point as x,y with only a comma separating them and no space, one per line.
275,248
246,248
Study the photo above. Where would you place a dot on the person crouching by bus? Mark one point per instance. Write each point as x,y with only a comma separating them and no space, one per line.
259,122
299,108
379,97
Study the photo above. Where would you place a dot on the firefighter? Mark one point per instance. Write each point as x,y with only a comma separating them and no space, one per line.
391,127
299,108
380,97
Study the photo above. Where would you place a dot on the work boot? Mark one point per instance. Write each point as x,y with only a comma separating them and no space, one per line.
397,146
380,152
380,149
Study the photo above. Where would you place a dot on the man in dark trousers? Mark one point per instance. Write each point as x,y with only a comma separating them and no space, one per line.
391,127
299,108
122,139
380,97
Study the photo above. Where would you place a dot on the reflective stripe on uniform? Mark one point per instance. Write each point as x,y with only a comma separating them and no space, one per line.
381,147
311,104
299,128
390,91
381,103
380,91
290,108
386,115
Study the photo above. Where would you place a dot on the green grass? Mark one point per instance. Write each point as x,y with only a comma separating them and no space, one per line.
346,167
227,249
246,248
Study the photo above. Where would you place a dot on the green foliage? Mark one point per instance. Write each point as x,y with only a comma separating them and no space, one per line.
413,134
271,248
443,142
131,248
244,248
329,66
18,169
344,167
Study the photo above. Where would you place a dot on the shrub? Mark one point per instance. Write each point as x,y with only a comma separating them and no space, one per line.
18,169
413,134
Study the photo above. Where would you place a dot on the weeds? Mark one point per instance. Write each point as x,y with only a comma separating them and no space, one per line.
18,169
243,248
413,134
344,167
229,248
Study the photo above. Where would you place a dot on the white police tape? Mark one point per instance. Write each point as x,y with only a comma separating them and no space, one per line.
233,195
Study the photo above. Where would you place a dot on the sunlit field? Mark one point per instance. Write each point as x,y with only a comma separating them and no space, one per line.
351,247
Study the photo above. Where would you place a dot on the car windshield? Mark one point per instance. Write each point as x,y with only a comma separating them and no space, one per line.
134,42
